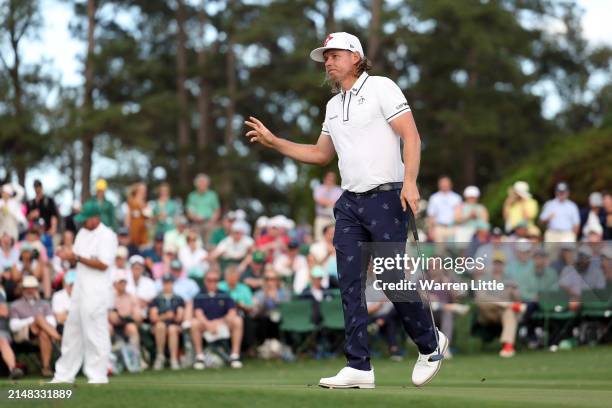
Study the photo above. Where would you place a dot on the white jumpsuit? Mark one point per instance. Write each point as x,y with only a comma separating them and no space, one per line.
86,337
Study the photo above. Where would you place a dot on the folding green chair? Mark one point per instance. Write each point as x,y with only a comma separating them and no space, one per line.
332,314
597,306
296,318
554,306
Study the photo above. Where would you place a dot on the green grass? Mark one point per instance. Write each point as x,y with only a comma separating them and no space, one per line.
577,378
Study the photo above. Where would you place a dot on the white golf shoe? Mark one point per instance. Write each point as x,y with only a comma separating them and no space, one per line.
424,370
349,378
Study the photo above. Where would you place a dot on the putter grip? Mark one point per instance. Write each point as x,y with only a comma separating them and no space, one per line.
412,224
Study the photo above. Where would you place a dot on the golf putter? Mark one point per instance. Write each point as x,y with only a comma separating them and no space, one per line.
412,225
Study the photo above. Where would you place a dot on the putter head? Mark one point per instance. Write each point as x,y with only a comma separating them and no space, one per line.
436,357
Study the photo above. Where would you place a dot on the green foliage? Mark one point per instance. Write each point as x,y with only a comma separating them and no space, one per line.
582,160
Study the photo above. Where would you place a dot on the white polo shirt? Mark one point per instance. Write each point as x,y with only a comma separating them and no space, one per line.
358,123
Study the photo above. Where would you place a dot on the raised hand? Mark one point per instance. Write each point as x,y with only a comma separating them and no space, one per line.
259,132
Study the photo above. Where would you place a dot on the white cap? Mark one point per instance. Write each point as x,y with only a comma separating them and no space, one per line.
278,221
29,282
523,245
596,199
471,191
136,259
8,189
338,41
120,275
240,226
262,222
122,252
522,189
240,214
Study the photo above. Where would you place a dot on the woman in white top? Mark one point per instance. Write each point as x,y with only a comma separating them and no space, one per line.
12,218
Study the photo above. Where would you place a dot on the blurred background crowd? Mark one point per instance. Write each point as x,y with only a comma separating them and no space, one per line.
268,286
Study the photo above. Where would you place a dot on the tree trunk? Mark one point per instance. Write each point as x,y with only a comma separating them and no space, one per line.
14,73
181,93
231,87
330,18
204,94
88,140
374,31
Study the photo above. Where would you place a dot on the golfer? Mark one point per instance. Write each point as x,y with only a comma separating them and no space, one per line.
363,124
86,337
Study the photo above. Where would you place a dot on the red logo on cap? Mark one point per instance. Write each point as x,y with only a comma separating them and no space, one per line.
329,37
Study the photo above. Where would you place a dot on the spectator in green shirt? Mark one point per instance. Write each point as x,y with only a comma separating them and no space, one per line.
223,231
203,203
203,207
107,209
241,293
522,271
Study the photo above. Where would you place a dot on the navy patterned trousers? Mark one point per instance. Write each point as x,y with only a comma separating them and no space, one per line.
373,218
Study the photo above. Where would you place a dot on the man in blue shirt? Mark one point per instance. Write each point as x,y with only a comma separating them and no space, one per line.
214,311
561,216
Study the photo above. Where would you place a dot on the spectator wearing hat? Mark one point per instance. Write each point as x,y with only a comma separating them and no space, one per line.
126,315
236,247
584,274
203,207
495,244
251,270
193,257
138,214
220,233
215,311
561,217
165,210
184,287
441,211
275,239
325,195
60,302
139,284
32,319
124,240
166,313
520,208
293,266
154,257
8,356
500,307
31,263
43,206
86,340
592,216
107,209
522,271
12,220
469,215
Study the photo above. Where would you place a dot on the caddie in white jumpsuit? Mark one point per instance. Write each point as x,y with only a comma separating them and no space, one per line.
86,338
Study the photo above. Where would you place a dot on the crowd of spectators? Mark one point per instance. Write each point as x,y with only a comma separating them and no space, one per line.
188,273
